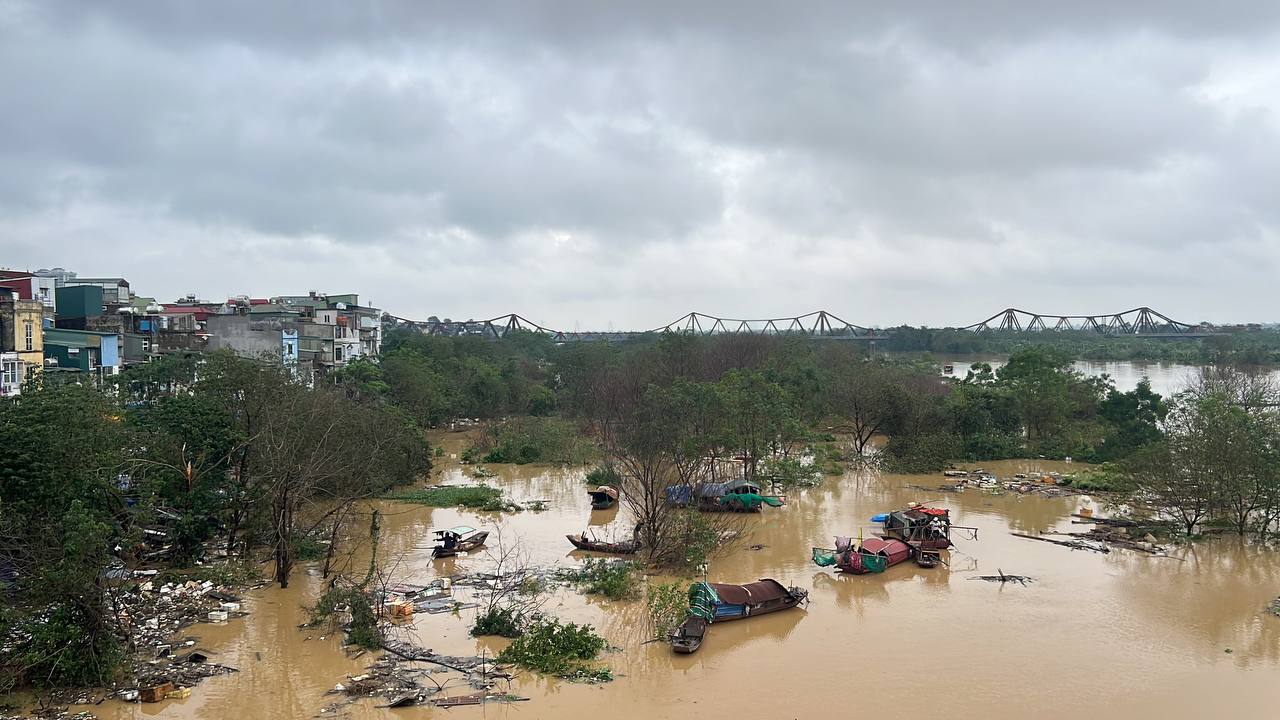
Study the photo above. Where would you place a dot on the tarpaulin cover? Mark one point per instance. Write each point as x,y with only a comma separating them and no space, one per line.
894,550
679,494
933,511
605,491
751,593
749,501
823,557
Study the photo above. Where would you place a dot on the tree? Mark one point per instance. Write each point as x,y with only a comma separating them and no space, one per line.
1160,480
1133,420
867,396
61,453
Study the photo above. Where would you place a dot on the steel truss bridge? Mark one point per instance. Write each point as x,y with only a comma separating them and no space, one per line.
1138,322
819,325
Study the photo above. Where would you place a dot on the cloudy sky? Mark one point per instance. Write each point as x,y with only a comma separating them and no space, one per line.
591,166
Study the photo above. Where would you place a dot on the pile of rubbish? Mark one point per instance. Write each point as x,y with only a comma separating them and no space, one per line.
409,675
162,667
51,714
1049,484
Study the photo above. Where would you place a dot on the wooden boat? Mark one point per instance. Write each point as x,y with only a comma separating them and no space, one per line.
928,559
603,497
458,539
923,528
711,603
581,542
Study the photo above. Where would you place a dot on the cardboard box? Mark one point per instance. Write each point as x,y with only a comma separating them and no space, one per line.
155,693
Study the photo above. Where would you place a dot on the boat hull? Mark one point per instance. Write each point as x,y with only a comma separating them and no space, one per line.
621,548
472,543
690,635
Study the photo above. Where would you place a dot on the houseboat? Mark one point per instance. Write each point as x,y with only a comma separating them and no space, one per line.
711,603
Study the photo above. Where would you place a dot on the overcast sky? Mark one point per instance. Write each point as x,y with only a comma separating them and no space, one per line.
591,166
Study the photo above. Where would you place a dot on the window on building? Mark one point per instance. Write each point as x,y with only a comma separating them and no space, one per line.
337,354
30,342
12,374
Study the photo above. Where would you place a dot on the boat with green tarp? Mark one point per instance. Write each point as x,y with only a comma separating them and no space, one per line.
711,603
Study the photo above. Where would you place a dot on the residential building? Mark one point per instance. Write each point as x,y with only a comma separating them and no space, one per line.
30,286
86,351
267,336
21,336
115,291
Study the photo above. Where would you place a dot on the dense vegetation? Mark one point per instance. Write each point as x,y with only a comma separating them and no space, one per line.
237,459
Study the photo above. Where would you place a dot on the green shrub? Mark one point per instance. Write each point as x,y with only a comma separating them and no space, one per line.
668,606
469,496
1107,478
560,649
530,440
507,622
363,630
606,474
698,540
792,472
58,650
615,579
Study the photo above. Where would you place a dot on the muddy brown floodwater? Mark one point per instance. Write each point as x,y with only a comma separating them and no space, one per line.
1118,635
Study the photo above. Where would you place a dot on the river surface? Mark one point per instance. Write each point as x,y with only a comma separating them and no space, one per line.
1118,635
1166,378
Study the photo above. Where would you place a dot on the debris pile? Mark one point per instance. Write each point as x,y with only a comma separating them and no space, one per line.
409,675
152,614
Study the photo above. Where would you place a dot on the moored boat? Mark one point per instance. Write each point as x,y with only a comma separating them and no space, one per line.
582,542
733,496
460,539
874,555
711,603
603,497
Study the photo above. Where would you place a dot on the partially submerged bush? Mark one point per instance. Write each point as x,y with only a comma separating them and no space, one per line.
615,579
531,440
606,474
560,649
506,621
337,603
791,472
468,496
668,607
697,538
1108,478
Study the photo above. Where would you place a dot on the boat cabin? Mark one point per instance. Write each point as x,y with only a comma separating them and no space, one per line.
603,497
921,527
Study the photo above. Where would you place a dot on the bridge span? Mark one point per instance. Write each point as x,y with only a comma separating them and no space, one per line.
822,325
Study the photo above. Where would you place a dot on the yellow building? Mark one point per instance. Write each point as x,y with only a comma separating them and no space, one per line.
21,340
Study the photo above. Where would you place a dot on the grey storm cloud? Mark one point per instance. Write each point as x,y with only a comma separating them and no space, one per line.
590,163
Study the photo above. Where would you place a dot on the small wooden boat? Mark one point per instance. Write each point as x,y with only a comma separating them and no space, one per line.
458,539
711,603
581,542
603,497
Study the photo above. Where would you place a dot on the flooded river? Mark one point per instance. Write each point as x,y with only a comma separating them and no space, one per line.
1118,635
1166,378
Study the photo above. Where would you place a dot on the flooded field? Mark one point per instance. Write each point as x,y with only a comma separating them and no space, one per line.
1123,634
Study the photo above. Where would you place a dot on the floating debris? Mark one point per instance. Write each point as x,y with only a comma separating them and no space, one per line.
1003,578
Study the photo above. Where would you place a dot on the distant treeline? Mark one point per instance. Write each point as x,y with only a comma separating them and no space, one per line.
1247,348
